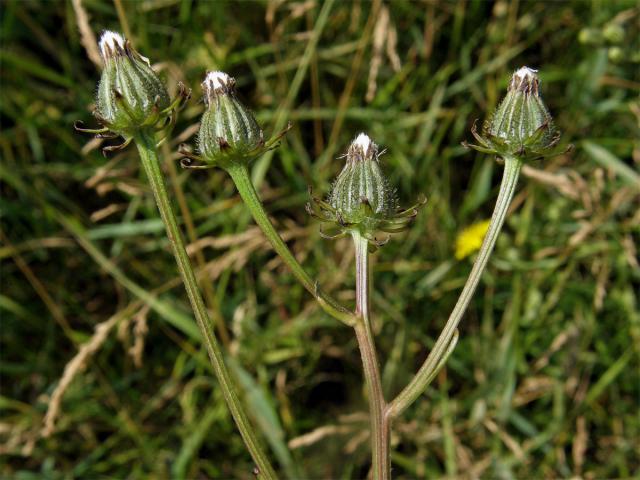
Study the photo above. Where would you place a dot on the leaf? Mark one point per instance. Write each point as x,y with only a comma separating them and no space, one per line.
608,160
263,412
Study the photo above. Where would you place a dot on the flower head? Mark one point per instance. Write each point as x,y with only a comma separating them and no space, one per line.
470,239
228,132
130,94
362,199
361,191
521,125
131,97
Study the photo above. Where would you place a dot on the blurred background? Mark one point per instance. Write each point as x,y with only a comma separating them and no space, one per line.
99,381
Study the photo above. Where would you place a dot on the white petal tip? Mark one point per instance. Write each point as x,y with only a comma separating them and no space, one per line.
362,148
526,73
111,42
363,141
525,80
216,80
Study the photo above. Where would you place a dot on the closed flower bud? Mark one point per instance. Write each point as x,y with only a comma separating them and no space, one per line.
590,36
361,189
361,199
228,132
130,95
521,126
522,111
615,54
613,33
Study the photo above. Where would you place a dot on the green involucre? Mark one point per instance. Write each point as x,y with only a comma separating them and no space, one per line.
362,200
130,94
361,190
521,126
228,132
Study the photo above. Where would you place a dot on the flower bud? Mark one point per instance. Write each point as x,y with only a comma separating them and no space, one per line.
130,94
361,189
228,132
615,54
522,111
361,199
521,126
590,36
613,33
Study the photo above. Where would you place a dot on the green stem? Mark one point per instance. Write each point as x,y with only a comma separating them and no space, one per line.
446,341
380,459
240,175
145,142
207,286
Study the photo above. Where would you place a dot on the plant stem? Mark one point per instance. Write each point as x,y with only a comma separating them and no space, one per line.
240,175
145,142
446,341
207,286
380,459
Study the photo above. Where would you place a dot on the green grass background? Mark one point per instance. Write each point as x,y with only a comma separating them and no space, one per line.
544,382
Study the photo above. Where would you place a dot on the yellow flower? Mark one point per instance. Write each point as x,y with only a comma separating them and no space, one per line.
470,239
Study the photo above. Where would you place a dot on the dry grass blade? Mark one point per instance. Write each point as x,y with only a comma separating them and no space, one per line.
87,37
380,34
77,364
140,330
318,434
40,289
580,444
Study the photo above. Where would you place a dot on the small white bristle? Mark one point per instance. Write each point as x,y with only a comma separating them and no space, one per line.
217,80
363,141
111,41
526,72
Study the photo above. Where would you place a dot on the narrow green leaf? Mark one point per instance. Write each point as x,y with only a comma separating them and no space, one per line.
262,410
608,160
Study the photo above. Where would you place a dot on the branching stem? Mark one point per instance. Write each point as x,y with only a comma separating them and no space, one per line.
240,175
446,341
380,458
145,142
